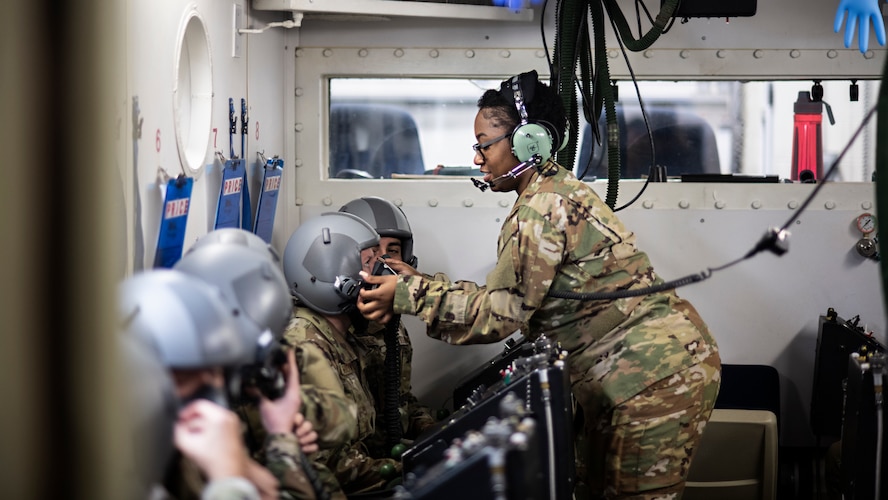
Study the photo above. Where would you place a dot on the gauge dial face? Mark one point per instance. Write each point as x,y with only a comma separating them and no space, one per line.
866,223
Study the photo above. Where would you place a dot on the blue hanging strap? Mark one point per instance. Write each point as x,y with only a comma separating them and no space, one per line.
247,216
267,206
172,226
232,127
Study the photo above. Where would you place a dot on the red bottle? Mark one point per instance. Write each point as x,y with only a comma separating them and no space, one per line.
807,139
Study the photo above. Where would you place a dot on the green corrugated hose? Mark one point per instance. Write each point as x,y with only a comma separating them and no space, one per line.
570,38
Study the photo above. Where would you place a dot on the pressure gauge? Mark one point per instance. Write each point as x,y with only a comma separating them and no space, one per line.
866,223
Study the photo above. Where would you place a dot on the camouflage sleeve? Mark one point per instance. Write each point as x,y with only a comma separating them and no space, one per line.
284,459
230,488
531,250
324,402
419,416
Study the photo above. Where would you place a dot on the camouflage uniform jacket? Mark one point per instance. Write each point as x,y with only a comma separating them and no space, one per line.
324,404
354,468
560,236
415,417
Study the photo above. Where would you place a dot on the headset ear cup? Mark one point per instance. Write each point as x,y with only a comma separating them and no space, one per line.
566,139
531,139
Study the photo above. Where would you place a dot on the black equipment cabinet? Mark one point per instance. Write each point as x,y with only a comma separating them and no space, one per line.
836,340
546,470
863,437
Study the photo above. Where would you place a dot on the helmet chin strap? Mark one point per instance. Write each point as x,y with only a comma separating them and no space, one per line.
518,170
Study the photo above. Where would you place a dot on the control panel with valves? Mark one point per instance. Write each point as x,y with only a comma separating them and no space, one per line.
868,245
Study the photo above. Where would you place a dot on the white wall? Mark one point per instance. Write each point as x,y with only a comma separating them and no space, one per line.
762,311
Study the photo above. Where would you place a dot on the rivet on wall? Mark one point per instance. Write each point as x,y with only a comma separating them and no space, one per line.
683,204
832,54
504,203
795,54
792,205
327,201
434,53
362,53
647,204
866,205
505,54
829,205
468,203
756,204
399,52
327,53
470,53
433,202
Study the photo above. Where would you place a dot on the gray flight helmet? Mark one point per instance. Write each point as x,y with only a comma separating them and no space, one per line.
188,321
150,398
387,218
238,237
249,279
323,258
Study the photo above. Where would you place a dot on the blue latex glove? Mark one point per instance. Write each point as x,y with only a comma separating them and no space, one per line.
863,11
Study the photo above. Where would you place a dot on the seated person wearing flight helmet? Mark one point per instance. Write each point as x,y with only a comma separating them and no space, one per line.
322,262
207,434
193,331
247,271
396,245
644,367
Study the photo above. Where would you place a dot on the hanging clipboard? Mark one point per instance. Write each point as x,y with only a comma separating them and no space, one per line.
233,209
176,205
267,205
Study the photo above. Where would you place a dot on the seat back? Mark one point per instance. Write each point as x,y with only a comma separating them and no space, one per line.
685,144
378,139
749,387
736,458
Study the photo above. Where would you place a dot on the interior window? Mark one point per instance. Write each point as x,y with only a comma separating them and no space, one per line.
415,127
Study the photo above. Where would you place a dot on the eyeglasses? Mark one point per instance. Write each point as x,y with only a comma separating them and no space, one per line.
484,146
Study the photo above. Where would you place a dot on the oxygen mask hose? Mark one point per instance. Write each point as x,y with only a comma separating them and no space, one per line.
392,410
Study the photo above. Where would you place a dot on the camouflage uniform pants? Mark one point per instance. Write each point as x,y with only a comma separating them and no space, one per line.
642,448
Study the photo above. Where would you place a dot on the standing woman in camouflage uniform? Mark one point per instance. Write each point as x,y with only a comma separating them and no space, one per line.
645,370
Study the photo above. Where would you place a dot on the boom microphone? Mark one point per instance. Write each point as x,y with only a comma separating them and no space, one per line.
511,174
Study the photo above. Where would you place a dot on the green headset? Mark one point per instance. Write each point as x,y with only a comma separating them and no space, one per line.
530,137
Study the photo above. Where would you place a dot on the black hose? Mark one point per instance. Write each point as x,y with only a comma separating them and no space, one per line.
622,294
392,408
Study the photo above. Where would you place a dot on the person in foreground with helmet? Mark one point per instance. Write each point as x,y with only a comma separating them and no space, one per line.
412,418
644,369
322,262
194,332
247,270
